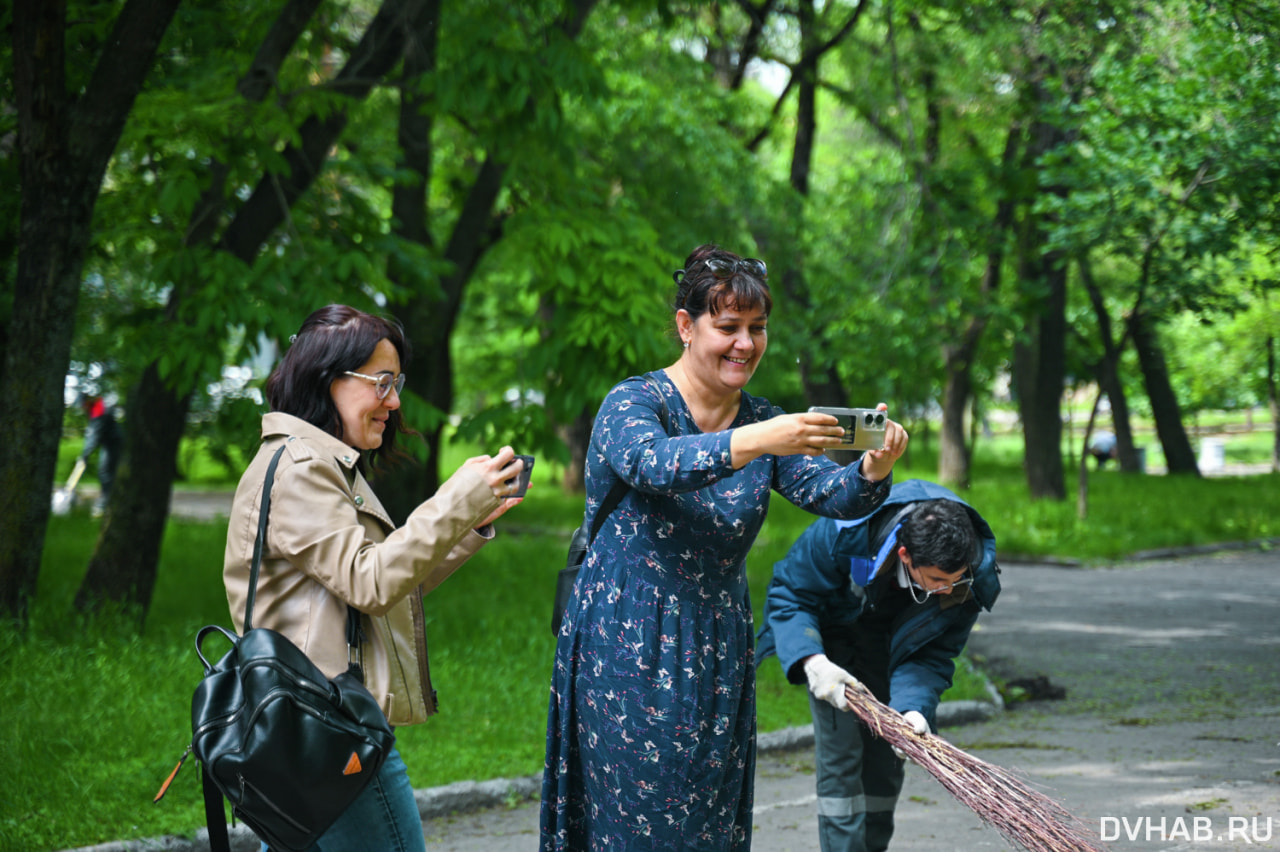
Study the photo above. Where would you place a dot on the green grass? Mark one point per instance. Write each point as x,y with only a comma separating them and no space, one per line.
95,717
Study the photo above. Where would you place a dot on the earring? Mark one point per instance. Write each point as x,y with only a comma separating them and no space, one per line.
686,344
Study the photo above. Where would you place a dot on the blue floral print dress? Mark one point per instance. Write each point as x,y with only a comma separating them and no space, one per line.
651,725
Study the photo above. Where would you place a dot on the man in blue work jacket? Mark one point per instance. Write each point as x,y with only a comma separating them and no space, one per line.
887,599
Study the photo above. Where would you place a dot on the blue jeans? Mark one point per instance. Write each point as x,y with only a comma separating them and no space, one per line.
383,817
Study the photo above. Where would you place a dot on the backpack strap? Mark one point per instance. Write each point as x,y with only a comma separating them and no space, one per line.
355,630
260,541
214,816
619,489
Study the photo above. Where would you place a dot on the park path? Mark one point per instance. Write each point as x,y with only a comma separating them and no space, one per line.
208,505
1168,737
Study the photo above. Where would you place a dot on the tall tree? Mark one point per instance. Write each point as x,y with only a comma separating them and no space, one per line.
1168,177
1106,369
1039,354
594,156
431,313
70,118
123,566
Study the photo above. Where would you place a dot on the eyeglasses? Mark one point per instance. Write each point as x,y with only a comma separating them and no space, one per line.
724,269
913,587
382,383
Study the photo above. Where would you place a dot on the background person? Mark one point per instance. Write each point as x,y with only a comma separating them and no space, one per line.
651,725
335,407
104,437
888,599
1102,446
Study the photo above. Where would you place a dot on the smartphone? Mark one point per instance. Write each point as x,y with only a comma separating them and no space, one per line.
863,427
522,478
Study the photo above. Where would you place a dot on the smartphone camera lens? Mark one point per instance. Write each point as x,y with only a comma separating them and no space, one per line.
880,420
869,419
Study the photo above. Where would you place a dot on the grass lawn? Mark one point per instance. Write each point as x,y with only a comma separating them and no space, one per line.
95,715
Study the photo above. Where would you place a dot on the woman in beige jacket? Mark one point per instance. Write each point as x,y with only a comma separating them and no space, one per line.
335,401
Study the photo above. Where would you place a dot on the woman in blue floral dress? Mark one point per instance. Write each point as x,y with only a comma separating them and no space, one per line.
651,726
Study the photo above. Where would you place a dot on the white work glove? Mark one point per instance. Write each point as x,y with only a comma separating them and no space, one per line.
918,724
827,681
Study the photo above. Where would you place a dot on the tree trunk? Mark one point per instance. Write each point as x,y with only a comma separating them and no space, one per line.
1107,372
1039,366
954,456
1039,369
577,435
410,481
1178,455
64,145
953,449
431,317
52,240
124,564
820,381
1273,404
1082,472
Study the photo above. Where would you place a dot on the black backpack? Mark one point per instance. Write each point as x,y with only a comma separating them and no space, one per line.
287,746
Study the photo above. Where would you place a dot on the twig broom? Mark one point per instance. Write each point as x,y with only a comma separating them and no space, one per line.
1028,818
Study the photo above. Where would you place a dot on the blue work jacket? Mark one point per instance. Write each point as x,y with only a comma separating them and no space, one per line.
822,583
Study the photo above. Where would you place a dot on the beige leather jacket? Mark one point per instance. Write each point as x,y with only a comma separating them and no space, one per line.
330,543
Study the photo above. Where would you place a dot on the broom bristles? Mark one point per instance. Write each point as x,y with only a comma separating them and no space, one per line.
1024,816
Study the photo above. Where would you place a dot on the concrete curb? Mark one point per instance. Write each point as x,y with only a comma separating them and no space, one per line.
467,796
1010,560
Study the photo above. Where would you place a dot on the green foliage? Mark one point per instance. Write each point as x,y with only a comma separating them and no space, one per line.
623,150
1218,359
200,139
1168,148
577,293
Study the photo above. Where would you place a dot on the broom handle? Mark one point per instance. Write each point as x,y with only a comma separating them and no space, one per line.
76,473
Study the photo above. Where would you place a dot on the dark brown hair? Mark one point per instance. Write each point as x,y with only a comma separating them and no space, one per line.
332,340
699,290
940,532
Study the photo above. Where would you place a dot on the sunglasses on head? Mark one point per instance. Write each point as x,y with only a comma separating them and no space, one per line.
724,269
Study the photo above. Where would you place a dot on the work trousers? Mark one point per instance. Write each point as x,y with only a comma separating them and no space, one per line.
859,779
858,775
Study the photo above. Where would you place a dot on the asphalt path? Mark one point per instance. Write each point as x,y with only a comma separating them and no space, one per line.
1168,737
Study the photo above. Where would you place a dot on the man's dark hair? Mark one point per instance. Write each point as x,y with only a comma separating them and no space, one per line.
332,340
940,532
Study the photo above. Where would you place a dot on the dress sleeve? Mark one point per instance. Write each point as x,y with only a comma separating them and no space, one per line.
629,434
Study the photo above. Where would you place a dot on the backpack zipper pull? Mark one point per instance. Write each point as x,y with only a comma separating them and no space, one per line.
164,788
